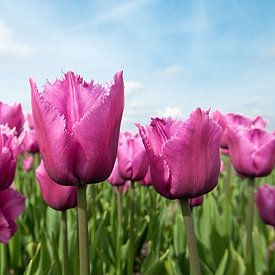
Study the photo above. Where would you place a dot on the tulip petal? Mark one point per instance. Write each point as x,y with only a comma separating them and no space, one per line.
7,168
57,145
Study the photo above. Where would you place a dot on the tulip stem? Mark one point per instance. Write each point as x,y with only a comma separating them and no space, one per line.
227,201
65,260
119,226
83,230
249,228
3,258
132,230
191,238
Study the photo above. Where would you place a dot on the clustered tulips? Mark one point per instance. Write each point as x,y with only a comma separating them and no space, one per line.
75,127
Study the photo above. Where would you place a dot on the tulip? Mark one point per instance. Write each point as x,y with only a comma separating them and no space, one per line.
252,151
265,200
13,116
132,157
196,201
235,120
9,149
11,206
184,155
55,195
115,178
29,118
28,163
77,126
30,142
147,180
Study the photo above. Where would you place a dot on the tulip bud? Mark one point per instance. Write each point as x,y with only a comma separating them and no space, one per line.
27,163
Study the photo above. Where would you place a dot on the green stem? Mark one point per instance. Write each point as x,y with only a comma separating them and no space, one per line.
191,238
249,228
227,201
65,260
132,230
3,258
83,230
119,226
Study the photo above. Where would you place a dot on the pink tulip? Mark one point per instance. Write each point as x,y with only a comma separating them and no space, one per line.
196,201
55,195
235,120
252,151
9,149
29,118
11,206
132,158
222,166
30,142
115,178
13,116
265,199
77,126
147,180
184,155
27,163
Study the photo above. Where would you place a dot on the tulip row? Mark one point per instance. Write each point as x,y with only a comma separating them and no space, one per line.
76,128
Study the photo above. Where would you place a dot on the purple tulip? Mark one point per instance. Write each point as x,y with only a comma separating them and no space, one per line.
9,149
11,206
147,180
184,155
265,200
115,178
235,120
55,195
27,163
252,151
77,126
29,118
13,116
196,201
132,157
30,142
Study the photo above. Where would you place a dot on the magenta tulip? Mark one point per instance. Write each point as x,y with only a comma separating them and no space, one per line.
132,157
265,200
196,201
11,206
55,195
235,120
27,163
252,151
115,178
29,118
147,180
30,142
77,126
184,155
13,116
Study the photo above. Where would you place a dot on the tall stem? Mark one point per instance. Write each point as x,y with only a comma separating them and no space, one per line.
65,260
132,231
249,228
3,258
191,238
227,201
83,230
119,226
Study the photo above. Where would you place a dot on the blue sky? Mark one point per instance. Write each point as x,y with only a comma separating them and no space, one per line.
176,55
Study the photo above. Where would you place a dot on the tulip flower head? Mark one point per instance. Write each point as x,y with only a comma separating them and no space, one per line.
147,180
30,142
11,206
115,178
132,157
265,200
12,115
184,155
27,163
252,151
29,118
196,201
55,195
77,127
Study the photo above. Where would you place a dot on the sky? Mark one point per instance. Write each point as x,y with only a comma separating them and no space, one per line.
176,55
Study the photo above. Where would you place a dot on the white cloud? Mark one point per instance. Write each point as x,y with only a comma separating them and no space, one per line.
10,47
132,86
172,112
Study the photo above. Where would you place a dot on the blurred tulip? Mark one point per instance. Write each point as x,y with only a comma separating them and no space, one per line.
147,180
30,142
222,166
235,120
55,195
184,155
13,116
132,157
265,200
115,179
9,149
11,206
27,163
252,151
29,118
196,201
77,126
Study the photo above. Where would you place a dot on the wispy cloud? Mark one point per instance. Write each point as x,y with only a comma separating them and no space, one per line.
132,86
9,46
169,111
